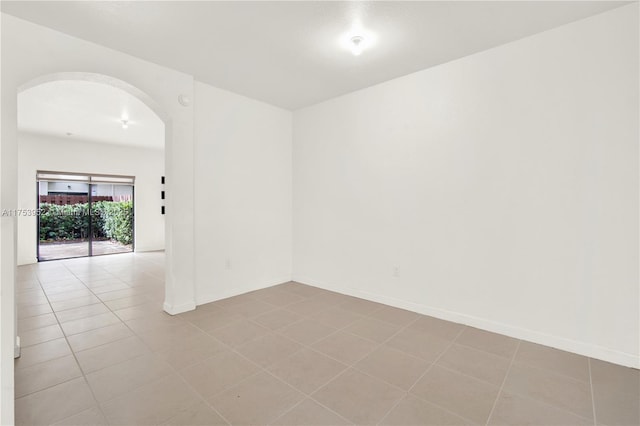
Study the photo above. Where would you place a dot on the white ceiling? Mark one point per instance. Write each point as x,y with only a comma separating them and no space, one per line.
91,112
289,53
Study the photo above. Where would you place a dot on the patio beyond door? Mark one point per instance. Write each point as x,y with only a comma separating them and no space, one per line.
84,215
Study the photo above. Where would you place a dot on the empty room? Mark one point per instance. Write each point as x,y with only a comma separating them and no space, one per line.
320,213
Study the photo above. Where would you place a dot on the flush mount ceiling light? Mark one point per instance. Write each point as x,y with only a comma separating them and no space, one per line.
357,45
357,40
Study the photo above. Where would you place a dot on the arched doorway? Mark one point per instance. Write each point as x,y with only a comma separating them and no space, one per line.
91,146
162,89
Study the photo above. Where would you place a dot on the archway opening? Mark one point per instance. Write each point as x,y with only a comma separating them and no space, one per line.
85,125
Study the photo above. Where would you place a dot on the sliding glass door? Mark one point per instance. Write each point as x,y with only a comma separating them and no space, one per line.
84,215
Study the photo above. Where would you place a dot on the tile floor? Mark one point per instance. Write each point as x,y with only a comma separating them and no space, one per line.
97,349
52,251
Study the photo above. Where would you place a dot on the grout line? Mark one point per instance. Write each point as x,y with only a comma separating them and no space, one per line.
593,396
378,345
73,352
84,377
303,346
495,402
408,391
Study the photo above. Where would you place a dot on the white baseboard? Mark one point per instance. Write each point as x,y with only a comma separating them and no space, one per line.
178,309
569,345
230,292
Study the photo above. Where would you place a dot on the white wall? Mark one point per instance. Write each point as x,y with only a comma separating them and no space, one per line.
242,194
72,155
504,186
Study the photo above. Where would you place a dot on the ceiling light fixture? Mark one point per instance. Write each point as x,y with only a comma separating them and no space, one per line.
357,45
357,39
125,124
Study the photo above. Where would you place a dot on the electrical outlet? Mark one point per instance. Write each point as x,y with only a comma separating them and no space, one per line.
396,272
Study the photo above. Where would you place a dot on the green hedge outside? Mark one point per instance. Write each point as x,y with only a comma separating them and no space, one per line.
111,220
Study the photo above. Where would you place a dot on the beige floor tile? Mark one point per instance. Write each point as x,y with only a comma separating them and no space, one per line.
90,323
393,366
613,408
33,310
126,302
558,361
119,294
277,297
257,401
610,378
91,417
64,287
217,319
134,363
487,341
360,306
310,413
113,381
440,328
108,286
463,395
277,319
40,335
139,311
238,332
68,295
45,374
269,349
153,321
106,355
54,403
479,364
99,336
33,297
57,273
170,337
307,331
308,307
416,343
561,391
32,323
28,285
74,303
42,352
201,311
336,317
372,329
81,312
331,296
299,289
307,370
358,397
250,308
151,404
192,351
513,409
393,315
219,372
345,347
234,300
200,414
414,411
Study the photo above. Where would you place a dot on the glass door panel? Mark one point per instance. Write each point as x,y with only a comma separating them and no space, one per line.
63,220
112,218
